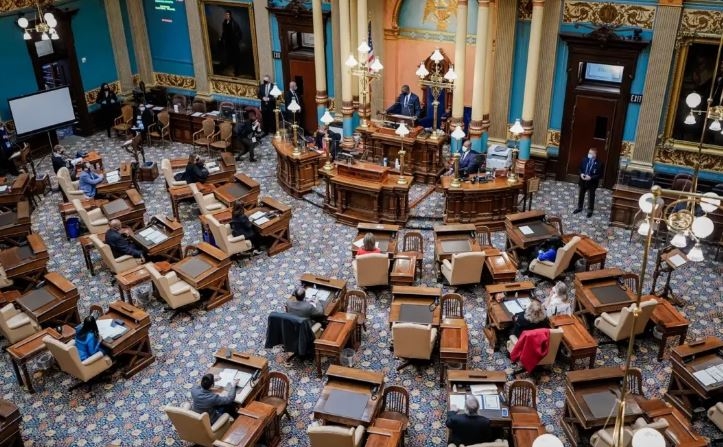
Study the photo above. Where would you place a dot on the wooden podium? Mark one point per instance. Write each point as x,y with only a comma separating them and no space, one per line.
480,203
297,174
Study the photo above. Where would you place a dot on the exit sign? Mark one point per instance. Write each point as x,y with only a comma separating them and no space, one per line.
276,54
636,99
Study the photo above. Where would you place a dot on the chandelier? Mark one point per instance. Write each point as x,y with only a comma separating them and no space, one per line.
44,25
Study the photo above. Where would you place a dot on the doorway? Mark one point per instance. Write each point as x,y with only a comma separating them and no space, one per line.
593,118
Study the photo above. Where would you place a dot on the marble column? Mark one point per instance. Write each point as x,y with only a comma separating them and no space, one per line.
322,98
504,54
198,55
347,107
460,50
120,48
546,76
362,27
656,82
478,82
533,63
489,73
141,47
353,45
336,53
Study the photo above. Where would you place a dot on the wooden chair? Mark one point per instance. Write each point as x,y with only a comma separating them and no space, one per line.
356,302
484,236
122,124
395,406
204,137
198,105
413,245
635,381
630,280
135,147
277,394
452,305
180,101
533,187
522,393
556,221
222,138
161,129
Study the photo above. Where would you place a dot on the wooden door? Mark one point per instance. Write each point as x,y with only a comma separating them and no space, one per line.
301,70
593,118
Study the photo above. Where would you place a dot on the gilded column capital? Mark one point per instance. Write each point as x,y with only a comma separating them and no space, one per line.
462,2
539,3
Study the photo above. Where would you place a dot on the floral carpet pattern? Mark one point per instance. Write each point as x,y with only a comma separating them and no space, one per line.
129,412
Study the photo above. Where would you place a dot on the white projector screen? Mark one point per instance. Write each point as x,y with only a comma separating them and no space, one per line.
42,111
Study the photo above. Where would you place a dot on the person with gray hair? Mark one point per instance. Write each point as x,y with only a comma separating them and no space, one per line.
302,308
467,427
119,241
557,302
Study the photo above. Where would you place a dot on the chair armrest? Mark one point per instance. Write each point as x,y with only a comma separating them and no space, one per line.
237,238
608,319
447,264
77,192
358,434
123,258
182,289
606,436
220,422
171,277
186,406
200,132
18,321
547,263
118,120
101,221
93,358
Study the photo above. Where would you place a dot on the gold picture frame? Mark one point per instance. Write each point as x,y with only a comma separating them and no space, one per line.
694,59
227,58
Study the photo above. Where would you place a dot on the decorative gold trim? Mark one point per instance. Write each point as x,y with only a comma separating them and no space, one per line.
608,13
681,157
171,80
243,89
700,22
553,138
627,148
91,95
7,6
524,10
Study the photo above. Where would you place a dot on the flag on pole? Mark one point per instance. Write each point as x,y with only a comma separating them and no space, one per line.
370,57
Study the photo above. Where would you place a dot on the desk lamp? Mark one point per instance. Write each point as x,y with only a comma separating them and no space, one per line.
516,130
402,131
293,108
327,119
275,92
458,134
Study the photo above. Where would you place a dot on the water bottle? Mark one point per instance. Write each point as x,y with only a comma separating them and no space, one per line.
396,164
384,162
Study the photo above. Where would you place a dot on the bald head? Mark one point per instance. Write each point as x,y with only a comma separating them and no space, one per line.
115,224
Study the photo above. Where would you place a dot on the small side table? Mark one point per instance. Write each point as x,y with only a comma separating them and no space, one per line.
499,268
453,344
576,338
135,277
24,351
589,250
403,271
668,321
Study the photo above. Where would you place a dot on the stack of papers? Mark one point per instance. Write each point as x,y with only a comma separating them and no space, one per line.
196,114
486,401
677,260
214,113
526,230
259,218
517,305
153,235
3,188
107,329
485,388
317,295
212,167
710,375
112,177
228,375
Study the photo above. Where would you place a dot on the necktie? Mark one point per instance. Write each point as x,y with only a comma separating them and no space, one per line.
267,90
589,166
406,101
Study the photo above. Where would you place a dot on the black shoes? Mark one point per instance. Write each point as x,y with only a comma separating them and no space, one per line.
252,160
577,210
589,214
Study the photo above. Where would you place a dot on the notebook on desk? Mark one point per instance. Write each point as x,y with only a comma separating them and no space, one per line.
35,299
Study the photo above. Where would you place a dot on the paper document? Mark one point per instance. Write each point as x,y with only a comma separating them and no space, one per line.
213,169
112,177
106,329
523,302
513,307
491,402
677,260
359,243
526,230
256,215
157,109
146,233
196,114
261,221
486,388
704,378
3,188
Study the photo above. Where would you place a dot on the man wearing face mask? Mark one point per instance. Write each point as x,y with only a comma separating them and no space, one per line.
268,104
468,161
590,171
407,104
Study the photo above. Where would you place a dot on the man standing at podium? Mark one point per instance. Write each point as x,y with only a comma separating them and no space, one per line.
407,104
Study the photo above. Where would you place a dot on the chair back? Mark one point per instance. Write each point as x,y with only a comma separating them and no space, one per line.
219,232
467,267
191,426
160,281
82,213
554,346
631,281
522,393
452,305
199,105
106,253
411,340
396,399
164,118
356,302
646,311
278,386
564,255
127,114
209,127
198,196
292,331
167,172
331,436
66,184
635,381
484,235
372,269
225,131
682,184
413,241
179,100
66,355
15,334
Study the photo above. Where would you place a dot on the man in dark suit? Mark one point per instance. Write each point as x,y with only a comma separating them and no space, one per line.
268,104
229,40
196,171
250,133
118,240
293,94
302,308
467,427
407,104
468,161
334,140
591,170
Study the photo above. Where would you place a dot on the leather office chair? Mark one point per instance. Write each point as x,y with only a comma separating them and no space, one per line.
116,265
554,346
225,241
66,354
617,325
161,129
204,137
715,414
94,220
15,325
168,175
335,436
122,124
371,269
206,203
604,438
465,268
68,187
222,138
552,270
660,425
178,294
413,341
496,443
195,427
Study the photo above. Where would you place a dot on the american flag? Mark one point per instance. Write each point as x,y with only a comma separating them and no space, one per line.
370,57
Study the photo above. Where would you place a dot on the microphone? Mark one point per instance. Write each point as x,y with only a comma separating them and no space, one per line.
434,304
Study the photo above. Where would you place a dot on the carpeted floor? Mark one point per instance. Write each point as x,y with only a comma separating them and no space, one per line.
128,412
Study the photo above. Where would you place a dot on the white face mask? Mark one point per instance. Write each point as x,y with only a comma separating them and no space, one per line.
590,156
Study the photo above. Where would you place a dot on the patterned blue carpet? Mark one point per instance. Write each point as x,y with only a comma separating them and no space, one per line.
128,412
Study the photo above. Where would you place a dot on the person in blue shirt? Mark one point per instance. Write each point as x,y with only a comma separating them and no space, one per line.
87,338
548,250
88,180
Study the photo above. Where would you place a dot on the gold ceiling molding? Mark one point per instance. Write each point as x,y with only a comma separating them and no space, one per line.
708,162
553,138
171,80
7,6
696,21
91,95
615,14
627,148
246,89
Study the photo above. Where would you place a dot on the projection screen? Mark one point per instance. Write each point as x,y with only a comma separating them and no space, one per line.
42,111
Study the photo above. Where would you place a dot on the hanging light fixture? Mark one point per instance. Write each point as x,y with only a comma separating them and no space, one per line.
45,24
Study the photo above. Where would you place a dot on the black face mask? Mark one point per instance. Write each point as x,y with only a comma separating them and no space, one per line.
265,81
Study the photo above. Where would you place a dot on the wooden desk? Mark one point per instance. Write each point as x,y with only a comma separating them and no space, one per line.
451,239
54,304
499,319
116,190
243,189
336,288
576,339
26,264
15,225
403,271
669,321
453,344
129,211
168,249
67,210
589,250
385,235
335,337
212,281
422,297
179,194
15,193
253,422
533,221
248,363
499,268
668,260
685,391
357,385
458,383
225,163
94,158
679,432
365,192
135,277
598,291
297,174
480,203
276,228
526,427
25,350
384,433
10,420
135,345
600,386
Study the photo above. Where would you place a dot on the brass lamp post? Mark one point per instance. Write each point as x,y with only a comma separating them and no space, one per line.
458,134
275,92
366,73
294,108
327,119
402,131
516,131
438,83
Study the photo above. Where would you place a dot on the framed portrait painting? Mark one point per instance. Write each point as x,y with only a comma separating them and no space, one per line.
230,39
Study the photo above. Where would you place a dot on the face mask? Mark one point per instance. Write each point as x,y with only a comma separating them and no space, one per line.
590,156
266,81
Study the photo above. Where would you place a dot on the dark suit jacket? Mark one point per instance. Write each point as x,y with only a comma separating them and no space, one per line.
120,245
292,331
195,173
288,96
60,162
411,109
594,170
334,140
468,430
261,92
469,163
520,324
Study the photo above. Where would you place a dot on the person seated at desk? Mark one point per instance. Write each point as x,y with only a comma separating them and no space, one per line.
304,309
320,140
87,338
468,161
195,170
206,401
531,318
118,239
548,249
407,104
468,427
369,245
557,302
249,134
242,226
60,160
88,180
